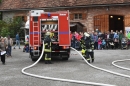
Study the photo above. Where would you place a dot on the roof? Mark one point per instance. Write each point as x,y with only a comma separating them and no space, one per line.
30,4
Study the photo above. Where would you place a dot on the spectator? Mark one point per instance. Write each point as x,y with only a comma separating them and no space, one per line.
97,31
117,32
107,39
27,44
95,40
103,44
73,39
77,43
103,35
121,35
111,42
92,36
99,43
116,36
107,35
116,40
79,36
2,48
111,36
17,40
9,44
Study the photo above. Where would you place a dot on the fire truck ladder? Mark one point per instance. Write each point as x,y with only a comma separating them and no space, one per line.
36,38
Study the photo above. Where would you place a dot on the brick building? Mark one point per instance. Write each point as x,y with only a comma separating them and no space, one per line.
85,15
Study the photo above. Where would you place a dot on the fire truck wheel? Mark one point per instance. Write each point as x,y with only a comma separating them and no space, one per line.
65,58
33,58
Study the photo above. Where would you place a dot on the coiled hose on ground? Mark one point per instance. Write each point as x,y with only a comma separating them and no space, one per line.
113,63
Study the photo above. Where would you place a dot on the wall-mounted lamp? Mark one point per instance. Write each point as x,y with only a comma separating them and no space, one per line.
119,18
111,16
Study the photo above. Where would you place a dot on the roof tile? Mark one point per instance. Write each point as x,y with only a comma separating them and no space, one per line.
18,4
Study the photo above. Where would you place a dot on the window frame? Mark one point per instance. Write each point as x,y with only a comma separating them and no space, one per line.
78,16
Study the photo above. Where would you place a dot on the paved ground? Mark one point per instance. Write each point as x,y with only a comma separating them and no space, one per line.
75,68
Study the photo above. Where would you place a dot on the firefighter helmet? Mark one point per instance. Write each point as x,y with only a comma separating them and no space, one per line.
48,33
86,34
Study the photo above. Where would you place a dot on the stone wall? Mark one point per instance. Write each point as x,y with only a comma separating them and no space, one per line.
88,22
9,15
122,10
91,12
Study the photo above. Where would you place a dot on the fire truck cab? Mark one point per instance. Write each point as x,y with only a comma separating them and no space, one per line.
55,22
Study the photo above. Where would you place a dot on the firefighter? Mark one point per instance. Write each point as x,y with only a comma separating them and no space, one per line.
89,48
82,46
47,46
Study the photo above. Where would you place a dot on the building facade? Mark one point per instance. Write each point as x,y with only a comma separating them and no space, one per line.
85,15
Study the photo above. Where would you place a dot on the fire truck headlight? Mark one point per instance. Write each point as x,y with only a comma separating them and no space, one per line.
65,47
35,48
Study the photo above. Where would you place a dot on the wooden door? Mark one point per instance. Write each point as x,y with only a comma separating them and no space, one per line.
101,22
127,21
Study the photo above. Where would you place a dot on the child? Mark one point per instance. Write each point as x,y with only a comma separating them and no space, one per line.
103,44
99,43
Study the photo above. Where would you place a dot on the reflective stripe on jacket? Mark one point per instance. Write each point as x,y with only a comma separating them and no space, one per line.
47,47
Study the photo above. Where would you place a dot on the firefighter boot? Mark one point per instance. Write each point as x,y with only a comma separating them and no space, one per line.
88,61
92,60
49,62
46,61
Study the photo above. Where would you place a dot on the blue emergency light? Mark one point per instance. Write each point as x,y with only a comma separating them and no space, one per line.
49,15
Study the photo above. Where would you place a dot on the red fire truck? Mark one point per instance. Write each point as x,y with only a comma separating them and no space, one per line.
55,22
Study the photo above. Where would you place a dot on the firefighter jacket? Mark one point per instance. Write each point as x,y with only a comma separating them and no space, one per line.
83,48
89,45
82,43
47,44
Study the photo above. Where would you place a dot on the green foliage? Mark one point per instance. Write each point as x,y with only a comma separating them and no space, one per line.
5,31
11,28
0,1
3,28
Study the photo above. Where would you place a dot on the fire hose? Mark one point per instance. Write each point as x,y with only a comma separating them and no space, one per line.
113,63
69,80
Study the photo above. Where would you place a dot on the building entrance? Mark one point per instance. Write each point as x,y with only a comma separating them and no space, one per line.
116,22
106,23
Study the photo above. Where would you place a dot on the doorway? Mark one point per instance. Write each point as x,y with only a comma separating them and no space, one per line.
106,23
76,26
73,28
116,22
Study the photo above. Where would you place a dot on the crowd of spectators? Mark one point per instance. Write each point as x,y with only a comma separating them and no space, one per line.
106,40
6,44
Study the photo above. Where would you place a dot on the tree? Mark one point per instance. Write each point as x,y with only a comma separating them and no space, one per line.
11,28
